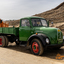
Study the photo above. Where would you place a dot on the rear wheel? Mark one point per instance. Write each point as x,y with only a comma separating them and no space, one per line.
37,47
6,39
2,41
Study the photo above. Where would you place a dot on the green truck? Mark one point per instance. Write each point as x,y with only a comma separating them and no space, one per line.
34,32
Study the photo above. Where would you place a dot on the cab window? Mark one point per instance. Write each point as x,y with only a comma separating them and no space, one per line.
39,22
25,22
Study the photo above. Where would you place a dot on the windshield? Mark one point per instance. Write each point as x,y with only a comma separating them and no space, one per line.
39,22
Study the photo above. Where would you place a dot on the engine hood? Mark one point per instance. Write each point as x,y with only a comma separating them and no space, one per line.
50,32
46,30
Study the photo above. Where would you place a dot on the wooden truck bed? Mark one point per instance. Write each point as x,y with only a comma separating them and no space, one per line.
10,30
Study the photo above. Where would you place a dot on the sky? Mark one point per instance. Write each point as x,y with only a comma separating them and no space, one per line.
16,9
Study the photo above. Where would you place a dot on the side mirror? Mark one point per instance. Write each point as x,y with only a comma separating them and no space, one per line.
51,22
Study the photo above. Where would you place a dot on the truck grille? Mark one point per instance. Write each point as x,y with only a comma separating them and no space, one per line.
59,35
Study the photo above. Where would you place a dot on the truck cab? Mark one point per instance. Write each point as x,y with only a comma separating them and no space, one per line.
36,29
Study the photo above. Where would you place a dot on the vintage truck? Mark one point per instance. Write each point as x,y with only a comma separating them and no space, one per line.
34,32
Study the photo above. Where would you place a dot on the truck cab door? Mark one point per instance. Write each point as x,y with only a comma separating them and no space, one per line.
24,30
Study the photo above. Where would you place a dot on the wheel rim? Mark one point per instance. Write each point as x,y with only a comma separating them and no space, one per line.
0,41
35,47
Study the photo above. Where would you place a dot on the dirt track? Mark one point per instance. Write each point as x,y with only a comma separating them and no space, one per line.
19,55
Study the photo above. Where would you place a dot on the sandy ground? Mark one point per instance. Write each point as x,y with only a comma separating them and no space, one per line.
20,55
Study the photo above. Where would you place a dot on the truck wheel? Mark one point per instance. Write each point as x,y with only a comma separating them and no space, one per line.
2,41
37,47
6,39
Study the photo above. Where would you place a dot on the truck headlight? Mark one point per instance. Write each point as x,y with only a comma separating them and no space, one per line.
47,40
59,30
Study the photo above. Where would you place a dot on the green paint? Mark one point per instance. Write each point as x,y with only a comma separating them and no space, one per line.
9,30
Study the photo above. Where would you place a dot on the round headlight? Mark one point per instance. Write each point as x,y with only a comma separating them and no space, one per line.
47,40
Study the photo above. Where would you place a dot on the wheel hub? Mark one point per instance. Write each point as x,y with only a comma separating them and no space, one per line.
35,47
0,41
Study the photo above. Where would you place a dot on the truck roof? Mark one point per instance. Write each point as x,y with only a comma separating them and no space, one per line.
31,17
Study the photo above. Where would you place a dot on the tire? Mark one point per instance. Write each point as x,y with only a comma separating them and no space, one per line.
37,47
6,39
2,41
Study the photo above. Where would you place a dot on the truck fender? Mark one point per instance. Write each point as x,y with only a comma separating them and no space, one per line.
41,37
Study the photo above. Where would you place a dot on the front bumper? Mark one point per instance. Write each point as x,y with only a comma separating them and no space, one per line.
55,45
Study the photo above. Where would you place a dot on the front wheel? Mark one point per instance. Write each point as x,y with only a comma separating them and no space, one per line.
37,47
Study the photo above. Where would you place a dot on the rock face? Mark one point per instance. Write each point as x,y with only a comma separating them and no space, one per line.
54,15
13,22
